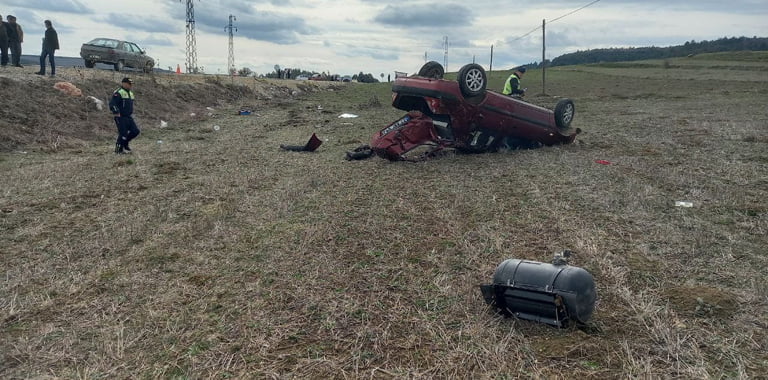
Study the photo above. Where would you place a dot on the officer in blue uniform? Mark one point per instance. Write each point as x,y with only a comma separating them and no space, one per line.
121,106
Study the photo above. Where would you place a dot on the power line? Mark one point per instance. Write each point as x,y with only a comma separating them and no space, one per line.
572,12
553,20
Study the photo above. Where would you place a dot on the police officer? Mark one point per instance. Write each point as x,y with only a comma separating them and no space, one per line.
512,85
121,106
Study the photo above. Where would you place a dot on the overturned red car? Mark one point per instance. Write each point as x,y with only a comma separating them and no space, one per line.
465,116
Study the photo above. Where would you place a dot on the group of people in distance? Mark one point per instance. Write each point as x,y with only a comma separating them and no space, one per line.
12,36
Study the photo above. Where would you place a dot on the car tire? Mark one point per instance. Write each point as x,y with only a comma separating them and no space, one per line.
564,113
472,80
119,65
89,64
432,70
148,67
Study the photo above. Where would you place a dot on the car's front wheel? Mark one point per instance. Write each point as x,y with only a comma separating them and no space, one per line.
564,113
119,65
89,64
432,70
472,80
148,67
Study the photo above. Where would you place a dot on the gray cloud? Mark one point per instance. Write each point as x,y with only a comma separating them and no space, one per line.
154,41
143,24
262,26
66,6
25,18
426,15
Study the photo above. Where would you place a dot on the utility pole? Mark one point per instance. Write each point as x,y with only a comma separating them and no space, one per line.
191,62
491,67
231,61
543,56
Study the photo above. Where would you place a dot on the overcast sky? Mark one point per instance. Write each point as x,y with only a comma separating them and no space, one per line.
381,36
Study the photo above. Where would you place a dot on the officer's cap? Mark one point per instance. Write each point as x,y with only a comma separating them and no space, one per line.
521,69
127,80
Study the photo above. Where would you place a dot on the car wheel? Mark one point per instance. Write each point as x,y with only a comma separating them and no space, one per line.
89,64
472,80
148,67
432,70
564,113
119,65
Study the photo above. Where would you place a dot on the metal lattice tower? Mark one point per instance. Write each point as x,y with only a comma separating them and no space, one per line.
191,63
231,61
445,53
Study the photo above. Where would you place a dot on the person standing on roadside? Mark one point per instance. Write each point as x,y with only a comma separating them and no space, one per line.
50,45
15,39
3,42
512,85
121,106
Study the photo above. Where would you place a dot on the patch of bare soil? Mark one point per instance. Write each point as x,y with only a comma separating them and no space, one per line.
702,301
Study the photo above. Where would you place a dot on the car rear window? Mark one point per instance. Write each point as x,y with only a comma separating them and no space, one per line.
104,42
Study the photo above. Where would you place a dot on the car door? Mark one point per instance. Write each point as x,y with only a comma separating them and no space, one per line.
132,59
140,57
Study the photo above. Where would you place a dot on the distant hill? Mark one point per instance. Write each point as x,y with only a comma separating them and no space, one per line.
642,53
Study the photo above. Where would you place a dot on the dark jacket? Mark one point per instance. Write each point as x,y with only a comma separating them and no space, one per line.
3,34
122,102
51,41
15,33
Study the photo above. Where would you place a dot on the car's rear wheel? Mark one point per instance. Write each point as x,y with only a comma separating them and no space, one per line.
89,64
119,65
148,67
564,113
472,80
432,70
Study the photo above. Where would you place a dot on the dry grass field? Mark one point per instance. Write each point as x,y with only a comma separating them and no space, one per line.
209,253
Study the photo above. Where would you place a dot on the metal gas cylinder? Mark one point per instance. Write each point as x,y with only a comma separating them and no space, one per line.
556,294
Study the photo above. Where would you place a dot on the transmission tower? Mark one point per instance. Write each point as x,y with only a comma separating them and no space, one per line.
191,43
445,53
231,61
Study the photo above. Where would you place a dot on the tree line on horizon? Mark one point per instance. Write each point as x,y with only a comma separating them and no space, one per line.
690,48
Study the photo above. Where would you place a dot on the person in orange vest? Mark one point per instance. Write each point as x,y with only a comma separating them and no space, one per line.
178,69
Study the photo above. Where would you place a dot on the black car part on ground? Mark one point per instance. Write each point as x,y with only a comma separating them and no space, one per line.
556,294
310,146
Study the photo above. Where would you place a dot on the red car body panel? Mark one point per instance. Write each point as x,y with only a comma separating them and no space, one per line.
495,115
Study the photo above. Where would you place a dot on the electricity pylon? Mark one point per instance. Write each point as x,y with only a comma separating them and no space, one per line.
191,63
231,61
